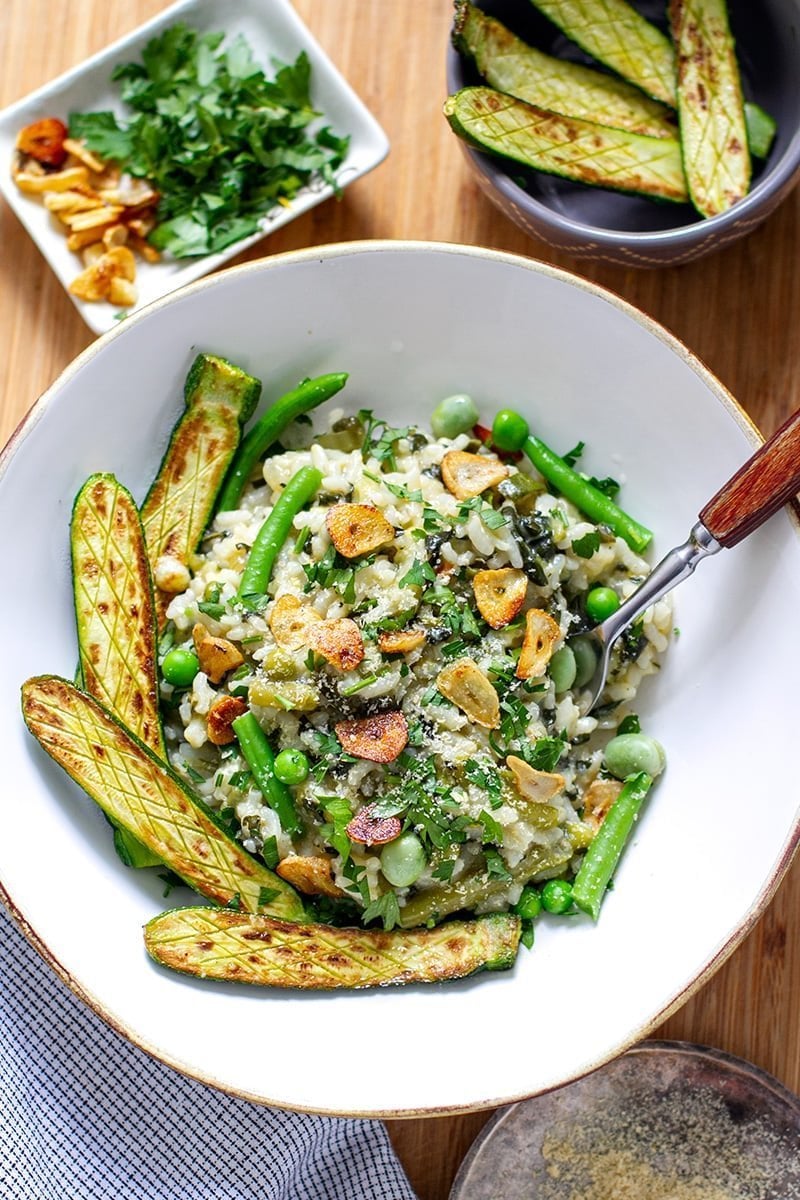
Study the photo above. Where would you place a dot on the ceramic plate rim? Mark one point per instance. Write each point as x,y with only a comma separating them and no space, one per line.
716,955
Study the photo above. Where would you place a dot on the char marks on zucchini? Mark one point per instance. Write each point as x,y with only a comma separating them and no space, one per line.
220,944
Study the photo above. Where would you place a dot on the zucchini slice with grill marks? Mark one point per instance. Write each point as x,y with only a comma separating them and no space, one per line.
216,943
614,33
220,398
710,106
115,619
145,796
567,146
510,65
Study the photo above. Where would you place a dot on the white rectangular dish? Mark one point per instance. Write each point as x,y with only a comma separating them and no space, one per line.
274,31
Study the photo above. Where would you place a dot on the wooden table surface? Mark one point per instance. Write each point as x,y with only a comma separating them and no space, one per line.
738,310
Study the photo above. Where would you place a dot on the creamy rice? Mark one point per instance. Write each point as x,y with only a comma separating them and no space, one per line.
471,830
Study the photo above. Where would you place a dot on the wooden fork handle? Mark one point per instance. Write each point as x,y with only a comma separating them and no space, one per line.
767,481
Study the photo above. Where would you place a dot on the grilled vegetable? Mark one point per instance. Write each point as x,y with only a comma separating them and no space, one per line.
761,129
614,33
710,106
216,943
511,66
567,146
115,620
145,796
219,399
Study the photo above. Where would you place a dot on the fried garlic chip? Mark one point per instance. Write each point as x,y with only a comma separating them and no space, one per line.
541,635
537,786
465,684
380,738
467,475
290,622
357,529
500,594
339,642
311,875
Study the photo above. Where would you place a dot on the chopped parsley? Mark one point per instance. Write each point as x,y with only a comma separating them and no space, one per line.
220,142
266,895
418,575
485,777
380,439
385,909
492,829
495,865
585,546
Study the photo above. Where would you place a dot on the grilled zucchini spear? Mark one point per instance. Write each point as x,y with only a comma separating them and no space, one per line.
220,398
142,794
217,943
710,106
510,65
115,618
567,146
614,33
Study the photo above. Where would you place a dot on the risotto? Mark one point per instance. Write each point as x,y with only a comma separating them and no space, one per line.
411,644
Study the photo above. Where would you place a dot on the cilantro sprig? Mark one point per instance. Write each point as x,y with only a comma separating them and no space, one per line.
220,141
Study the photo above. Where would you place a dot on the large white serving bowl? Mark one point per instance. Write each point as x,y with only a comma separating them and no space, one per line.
413,323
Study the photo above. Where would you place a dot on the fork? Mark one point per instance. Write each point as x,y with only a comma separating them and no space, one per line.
767,481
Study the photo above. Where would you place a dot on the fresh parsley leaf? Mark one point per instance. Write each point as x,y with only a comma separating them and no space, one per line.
545,753
585,546
608,486
339,814
385,908
418,575
629,724
269,852
495,865
485,777
235,902
444,871
492,830
266,895
572,456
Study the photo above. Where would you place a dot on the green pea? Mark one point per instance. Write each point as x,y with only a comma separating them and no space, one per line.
180,667
454,415
509,430
563,669
529,904
601,602
629,753
291,767
403,860
557,896
585,659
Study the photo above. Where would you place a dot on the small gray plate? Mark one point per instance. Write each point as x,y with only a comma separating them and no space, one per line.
666,1120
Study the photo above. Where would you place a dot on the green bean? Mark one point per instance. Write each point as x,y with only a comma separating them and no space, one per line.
628,753
258,755
273,533
510,432
585,496
604,853
307,395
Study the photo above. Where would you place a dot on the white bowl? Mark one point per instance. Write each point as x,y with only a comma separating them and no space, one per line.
274,31
413,323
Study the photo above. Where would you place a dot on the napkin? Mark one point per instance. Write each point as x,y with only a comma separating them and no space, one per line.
84,1115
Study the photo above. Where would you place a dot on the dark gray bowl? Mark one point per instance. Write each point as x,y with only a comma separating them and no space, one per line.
594,223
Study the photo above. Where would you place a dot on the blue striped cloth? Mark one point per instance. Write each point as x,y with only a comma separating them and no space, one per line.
84,1115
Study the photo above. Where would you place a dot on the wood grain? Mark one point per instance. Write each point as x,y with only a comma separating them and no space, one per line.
738,311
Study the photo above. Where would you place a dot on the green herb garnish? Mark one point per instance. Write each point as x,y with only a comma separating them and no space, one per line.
220,142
